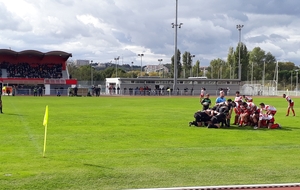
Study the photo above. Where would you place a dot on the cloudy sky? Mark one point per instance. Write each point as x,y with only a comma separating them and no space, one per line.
101,30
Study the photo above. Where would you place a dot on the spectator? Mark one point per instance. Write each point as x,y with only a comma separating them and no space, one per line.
221,98
40,91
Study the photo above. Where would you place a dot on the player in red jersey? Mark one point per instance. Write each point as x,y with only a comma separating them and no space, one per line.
244,115
290,105
252,113
237,110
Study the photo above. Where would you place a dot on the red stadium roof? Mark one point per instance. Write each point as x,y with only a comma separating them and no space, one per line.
63,54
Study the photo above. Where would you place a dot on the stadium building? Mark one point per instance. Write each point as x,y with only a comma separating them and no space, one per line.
23,71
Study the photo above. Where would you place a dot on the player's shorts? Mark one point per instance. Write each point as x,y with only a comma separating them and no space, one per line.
201,95
291,104
263,123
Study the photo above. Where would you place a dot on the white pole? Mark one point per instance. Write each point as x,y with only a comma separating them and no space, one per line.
296,82
291,81
239,27
277,66
264,78
252,74
91,72
175,54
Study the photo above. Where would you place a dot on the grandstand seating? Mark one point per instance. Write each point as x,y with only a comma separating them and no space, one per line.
33,70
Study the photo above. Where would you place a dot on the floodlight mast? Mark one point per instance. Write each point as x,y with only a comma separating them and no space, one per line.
191,57
141,55
239,28
116,62
175,54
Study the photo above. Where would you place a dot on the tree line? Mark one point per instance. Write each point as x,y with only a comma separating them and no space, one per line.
256,65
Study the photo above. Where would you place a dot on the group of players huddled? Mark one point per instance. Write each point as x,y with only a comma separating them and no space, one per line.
246,112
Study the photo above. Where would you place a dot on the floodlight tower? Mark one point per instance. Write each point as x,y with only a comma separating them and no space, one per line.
141,55
176,25
239,28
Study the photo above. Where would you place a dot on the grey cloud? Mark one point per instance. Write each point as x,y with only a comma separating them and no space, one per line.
209,27
258,39
277,37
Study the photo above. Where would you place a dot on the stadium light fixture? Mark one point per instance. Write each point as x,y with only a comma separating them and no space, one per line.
141,55
191,57
116,62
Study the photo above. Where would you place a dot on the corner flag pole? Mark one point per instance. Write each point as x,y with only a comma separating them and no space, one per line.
45,123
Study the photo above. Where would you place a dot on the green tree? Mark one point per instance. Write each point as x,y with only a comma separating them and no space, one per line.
244,60
256,63
270,64
217,68
196,69
179,66
186,64
231,65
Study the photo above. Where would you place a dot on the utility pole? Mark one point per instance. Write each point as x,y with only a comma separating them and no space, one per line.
175,54
239,28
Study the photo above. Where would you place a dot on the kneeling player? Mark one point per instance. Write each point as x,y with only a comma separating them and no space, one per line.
267,121
216,120
201,117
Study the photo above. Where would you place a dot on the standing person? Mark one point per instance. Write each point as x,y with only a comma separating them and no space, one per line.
35,91
228,91
40,91
290,105
75,91
14,91
202,93
205,102
221,98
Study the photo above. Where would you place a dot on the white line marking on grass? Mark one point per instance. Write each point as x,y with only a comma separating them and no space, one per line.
237,187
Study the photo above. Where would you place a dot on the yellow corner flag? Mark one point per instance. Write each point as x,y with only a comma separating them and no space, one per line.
45,123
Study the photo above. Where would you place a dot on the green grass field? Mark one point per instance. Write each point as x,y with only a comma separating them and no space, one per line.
138,142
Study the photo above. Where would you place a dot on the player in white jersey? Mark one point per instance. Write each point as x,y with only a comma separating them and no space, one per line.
238,97
266,120
290,105
267,109
248,98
